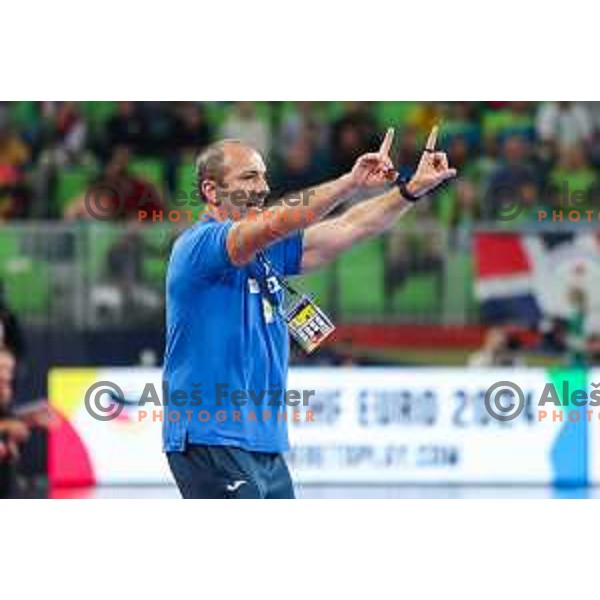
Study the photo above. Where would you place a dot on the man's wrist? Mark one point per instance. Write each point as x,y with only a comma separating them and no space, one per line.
407,188
412,189
347,183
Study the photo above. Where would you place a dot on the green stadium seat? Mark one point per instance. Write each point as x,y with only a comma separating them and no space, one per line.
98,113
154,271
72,183
9,245
101,237
420,295
393,114
460,286
27,284
23,113
361,280
157,235
158,238
186,184
26,280
215,114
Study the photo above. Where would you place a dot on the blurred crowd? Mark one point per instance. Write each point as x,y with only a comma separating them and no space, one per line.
541,156
569,339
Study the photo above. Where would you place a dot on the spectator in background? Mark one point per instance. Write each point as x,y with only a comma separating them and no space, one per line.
13,151
18,424
300,168
460,121
459,204
118,194
593,349
306,119
14,194
460,150
499,350
159,125
574,179
4,113
593,109
506,120
425,115
125,259
460,208
243,123
13,431
8,365
347,144
189,133
409,149
11,334
62,140
64,133
352,135
14,155
125,292
143,127
553,338
577,327
515,182
127,128
561,124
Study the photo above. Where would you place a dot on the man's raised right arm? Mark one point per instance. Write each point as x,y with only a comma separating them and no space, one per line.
258,230
261,228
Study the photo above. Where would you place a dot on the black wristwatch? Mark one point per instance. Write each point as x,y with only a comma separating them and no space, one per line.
402,182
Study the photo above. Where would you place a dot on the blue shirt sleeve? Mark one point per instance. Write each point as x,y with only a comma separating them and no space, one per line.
292,253
204,249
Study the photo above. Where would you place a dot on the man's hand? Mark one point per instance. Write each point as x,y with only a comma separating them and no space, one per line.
15,429
432,170
9,451
375,169
42,417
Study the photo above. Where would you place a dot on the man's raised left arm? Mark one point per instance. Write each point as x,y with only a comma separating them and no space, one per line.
324,241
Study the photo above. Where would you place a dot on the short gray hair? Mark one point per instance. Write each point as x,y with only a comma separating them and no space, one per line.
209,163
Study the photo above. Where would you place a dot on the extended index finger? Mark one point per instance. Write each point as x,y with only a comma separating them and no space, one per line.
384,150
432,139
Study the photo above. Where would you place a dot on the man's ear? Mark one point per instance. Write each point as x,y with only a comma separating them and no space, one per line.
208,187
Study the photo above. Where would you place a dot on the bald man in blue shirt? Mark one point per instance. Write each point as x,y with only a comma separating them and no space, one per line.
227,338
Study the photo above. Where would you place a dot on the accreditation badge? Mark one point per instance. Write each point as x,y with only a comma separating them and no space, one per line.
308,324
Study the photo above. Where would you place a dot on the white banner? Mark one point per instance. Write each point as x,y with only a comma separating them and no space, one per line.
381,425
369,425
